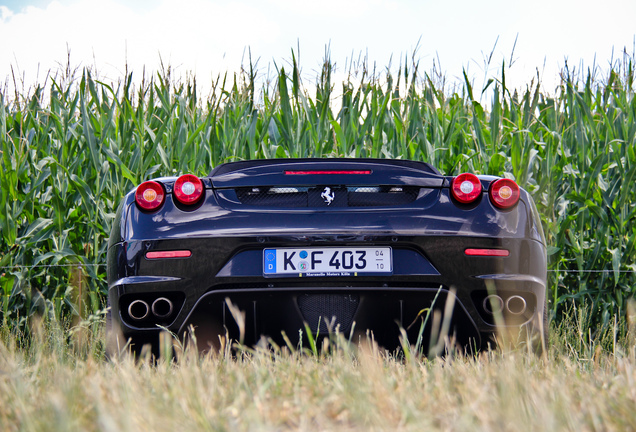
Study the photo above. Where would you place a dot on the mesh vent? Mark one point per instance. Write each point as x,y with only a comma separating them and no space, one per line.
273,197
328,196
383,197
337,309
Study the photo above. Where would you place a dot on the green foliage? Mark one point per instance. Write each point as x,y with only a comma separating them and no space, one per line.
72,148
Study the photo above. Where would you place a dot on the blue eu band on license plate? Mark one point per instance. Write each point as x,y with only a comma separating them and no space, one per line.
330,261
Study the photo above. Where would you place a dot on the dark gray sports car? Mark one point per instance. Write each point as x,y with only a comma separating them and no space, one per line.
390,248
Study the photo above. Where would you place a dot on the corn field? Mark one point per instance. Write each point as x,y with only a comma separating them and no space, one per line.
73,146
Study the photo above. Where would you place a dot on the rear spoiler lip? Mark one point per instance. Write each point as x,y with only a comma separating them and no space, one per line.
235,166
272,172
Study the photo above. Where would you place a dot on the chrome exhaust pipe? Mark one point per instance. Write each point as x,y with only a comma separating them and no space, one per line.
493,304
138,310
516,305
162,307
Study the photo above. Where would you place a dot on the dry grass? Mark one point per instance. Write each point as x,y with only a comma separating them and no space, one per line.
51,385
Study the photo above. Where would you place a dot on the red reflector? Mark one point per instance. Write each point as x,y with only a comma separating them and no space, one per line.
327,172
168,254
487,252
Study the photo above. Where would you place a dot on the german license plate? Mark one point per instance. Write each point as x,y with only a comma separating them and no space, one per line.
328,261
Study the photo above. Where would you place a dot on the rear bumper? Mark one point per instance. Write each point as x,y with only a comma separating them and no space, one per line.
223,269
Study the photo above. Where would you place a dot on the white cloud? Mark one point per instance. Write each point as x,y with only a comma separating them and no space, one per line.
191,35
210,37
5,13
334,9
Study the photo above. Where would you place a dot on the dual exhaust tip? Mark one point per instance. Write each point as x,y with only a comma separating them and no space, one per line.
161,308
514,305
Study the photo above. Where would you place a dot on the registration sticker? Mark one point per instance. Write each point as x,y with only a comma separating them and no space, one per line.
329,261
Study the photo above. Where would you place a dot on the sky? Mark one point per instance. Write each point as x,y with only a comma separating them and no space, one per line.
205,38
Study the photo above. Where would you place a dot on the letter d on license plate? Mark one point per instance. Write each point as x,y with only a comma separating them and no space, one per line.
344,261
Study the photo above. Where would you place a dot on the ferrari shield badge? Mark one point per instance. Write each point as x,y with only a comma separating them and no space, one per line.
328,195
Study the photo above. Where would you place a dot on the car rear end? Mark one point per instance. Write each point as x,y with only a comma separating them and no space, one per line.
355,245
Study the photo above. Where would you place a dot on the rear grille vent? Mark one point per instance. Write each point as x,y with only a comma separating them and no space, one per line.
337,310
341,196
273,197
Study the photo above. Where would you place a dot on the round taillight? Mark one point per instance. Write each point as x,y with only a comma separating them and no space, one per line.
466,188
188,189
504,193
149,195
